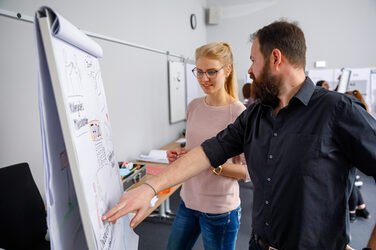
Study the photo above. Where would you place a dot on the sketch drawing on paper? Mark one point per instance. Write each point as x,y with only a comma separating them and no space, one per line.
94,75
73,74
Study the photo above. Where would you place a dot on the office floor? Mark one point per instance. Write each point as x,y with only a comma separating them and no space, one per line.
154,236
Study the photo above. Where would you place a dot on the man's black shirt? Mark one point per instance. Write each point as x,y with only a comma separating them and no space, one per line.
299,162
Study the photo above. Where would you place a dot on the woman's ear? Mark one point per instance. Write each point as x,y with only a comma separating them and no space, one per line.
228,70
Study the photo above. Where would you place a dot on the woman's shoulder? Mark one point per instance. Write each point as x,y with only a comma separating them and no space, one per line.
238,106
236,109
195,102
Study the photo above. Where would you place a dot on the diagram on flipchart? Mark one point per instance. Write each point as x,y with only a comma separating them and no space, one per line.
89,119
81,171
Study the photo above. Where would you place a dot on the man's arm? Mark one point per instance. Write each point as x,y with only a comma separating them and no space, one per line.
138,199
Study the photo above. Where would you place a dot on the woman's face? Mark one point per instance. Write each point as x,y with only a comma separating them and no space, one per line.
209,82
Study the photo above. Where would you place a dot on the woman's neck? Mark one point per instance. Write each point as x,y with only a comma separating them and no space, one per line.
219,99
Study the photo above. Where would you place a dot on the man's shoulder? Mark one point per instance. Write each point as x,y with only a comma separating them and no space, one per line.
326,97
329,99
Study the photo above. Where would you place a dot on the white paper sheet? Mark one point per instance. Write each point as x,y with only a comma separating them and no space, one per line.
86,127
155,156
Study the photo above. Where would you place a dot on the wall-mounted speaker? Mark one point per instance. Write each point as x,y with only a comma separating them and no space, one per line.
214,15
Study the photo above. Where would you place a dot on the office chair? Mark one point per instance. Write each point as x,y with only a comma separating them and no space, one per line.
22,213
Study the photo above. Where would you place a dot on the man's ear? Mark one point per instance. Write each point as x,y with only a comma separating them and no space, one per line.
276,58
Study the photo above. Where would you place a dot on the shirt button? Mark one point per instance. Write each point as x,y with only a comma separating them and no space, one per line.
275,134
270,156
266,224
268,179
266,202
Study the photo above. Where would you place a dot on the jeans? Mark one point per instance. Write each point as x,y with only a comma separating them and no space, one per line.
219,231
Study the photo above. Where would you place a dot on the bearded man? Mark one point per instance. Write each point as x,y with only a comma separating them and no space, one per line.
299,141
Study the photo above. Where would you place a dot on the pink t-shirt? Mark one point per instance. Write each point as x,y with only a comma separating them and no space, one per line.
207,192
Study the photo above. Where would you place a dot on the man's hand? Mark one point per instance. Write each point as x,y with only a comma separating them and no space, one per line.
136,200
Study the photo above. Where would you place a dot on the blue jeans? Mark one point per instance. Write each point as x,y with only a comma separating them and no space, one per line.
219,231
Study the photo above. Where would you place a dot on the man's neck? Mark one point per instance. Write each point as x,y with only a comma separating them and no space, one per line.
292,81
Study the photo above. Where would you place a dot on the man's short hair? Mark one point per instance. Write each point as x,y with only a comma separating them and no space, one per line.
285,36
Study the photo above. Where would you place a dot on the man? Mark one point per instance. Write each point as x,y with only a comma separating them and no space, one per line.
299,142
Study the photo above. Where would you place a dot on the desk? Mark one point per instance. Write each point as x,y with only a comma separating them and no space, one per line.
163,199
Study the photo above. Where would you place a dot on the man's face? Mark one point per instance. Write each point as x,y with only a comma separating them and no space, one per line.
257,59
265,86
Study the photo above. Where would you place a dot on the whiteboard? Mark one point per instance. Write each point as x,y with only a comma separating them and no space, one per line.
176,86
193,87
81,171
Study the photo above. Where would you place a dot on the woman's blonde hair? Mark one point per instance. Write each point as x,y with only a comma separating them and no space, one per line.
223,53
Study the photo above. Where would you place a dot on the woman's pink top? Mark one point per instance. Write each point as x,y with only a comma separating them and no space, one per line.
207,192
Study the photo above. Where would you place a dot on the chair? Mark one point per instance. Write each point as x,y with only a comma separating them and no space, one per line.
22,213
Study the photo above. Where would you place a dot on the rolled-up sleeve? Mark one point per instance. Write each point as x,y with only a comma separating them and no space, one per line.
227,143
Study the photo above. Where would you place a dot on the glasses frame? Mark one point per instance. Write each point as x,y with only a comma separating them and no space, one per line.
206,73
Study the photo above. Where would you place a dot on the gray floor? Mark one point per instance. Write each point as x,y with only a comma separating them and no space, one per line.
153,236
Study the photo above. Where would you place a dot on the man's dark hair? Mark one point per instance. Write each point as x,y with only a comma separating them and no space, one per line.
285,36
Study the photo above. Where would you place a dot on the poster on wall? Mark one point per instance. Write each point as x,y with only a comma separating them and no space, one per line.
360,79
373,93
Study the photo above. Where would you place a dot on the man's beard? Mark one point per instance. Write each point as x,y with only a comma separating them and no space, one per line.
265,88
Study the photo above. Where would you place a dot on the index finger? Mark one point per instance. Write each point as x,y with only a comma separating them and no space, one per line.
107,216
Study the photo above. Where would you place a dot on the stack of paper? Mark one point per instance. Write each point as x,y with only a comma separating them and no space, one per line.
154,155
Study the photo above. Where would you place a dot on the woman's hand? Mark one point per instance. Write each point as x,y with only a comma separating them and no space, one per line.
173,155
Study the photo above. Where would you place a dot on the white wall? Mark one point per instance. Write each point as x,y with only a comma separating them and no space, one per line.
135,81
341,32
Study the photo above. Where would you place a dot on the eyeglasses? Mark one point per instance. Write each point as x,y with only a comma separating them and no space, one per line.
211,73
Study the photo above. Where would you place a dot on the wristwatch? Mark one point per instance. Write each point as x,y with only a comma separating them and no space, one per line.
217,170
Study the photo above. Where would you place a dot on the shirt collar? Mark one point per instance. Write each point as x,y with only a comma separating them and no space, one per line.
305,92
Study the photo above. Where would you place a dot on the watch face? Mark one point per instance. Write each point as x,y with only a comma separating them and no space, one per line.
193,21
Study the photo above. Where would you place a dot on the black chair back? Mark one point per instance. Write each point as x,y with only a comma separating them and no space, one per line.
22,213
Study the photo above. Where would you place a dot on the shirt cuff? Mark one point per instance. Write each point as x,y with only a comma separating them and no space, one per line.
214,152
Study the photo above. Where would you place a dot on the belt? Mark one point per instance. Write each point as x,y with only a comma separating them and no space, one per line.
263,244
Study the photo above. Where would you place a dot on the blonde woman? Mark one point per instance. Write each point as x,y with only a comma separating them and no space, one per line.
210,202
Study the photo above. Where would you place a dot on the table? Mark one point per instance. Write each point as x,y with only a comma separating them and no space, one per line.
165,214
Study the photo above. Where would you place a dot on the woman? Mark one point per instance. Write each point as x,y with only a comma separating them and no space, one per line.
247,90
210,202
322,83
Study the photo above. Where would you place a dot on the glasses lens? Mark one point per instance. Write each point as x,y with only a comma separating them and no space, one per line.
211,73
200,74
